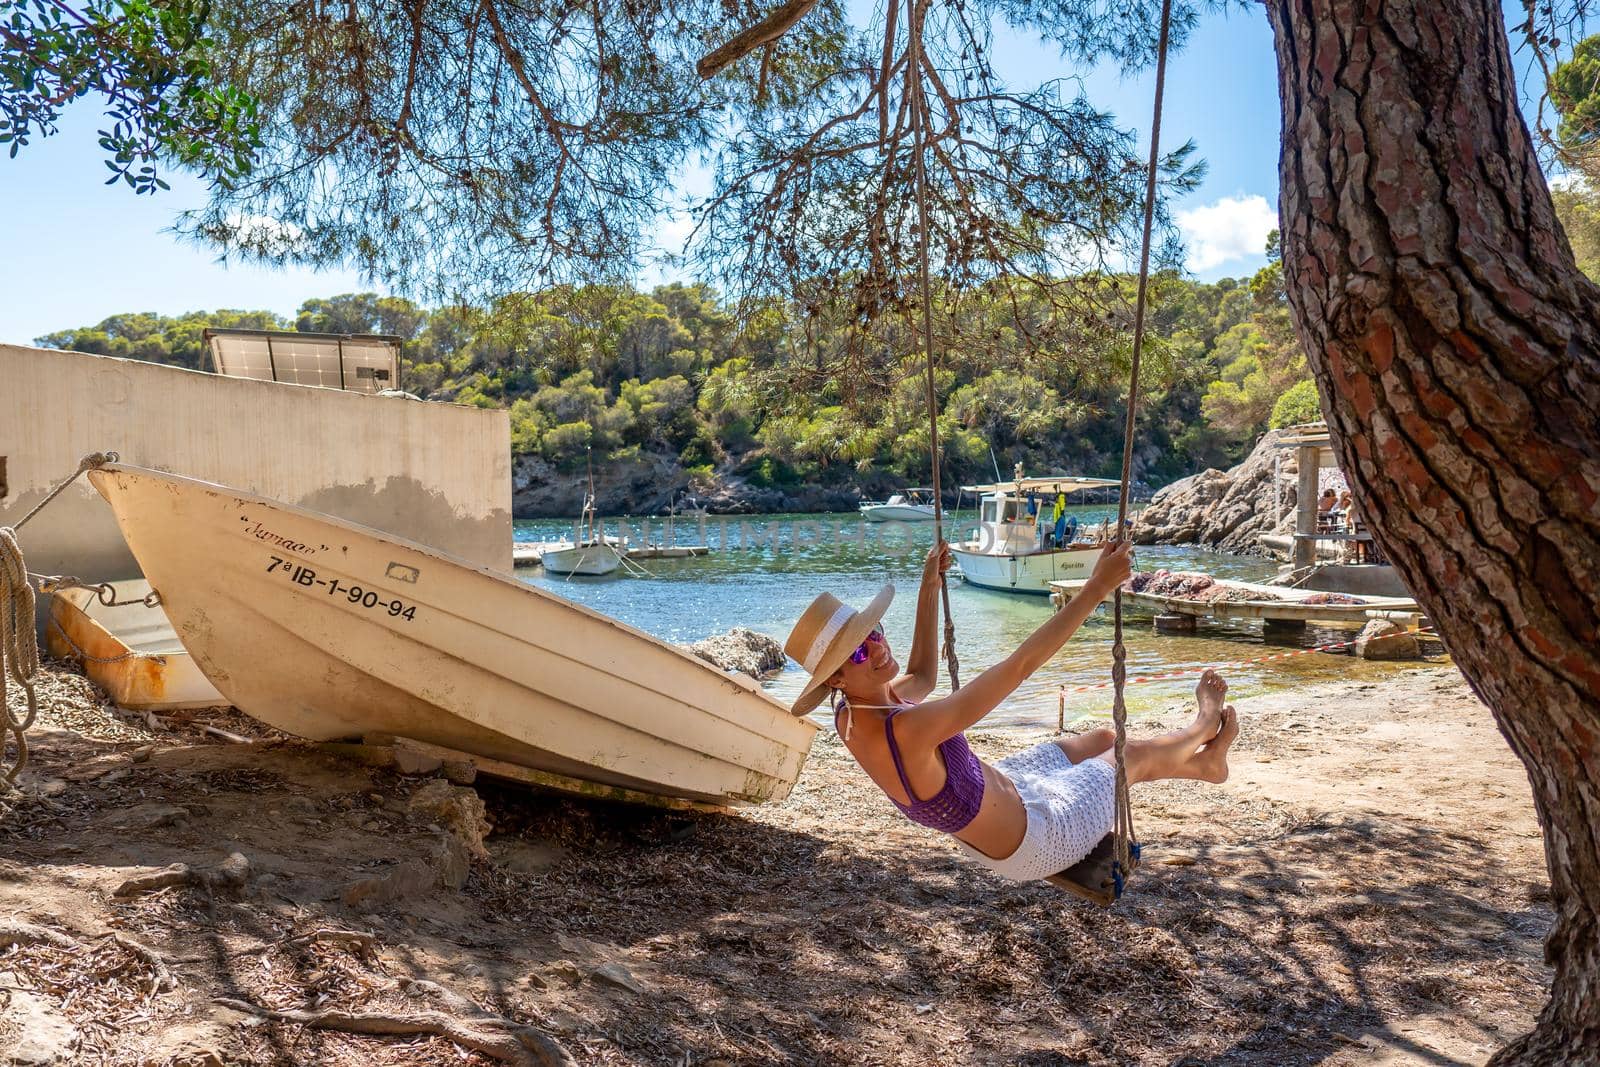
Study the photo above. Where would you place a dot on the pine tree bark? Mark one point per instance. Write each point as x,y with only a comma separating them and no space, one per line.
1457,350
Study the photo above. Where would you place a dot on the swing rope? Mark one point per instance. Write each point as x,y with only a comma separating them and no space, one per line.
1122,829
915,13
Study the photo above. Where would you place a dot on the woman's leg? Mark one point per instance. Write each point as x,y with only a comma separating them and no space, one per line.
1176,755
1199,751
1087,746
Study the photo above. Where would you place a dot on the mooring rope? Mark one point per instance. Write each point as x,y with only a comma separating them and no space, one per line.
19,644
19,654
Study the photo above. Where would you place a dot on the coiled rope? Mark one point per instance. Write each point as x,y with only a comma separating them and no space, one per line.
19,654
19,645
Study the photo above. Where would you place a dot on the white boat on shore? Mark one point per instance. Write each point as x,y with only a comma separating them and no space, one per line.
913,505
1016,551
331,630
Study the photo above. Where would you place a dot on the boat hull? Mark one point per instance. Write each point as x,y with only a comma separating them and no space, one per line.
897,513
1031,573
591,561
128,649
330,630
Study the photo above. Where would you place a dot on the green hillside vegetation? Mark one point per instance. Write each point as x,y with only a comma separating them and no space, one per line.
612,371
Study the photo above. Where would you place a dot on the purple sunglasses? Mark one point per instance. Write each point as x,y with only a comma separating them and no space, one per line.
861,654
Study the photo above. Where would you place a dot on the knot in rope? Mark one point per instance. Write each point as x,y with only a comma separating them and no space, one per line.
93,461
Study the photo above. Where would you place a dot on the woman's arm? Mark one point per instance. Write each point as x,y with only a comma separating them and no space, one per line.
931,723
922,665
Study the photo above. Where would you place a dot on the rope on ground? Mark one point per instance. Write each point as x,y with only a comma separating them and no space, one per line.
19,654
19,644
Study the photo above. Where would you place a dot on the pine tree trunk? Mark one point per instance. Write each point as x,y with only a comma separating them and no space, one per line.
1457,350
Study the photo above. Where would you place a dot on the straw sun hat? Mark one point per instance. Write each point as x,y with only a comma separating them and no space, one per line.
826,635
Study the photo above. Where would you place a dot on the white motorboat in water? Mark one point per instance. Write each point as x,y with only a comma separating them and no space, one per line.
331,630
913,505
1018,549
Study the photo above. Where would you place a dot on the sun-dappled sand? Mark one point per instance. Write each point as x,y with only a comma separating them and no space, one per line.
1367,888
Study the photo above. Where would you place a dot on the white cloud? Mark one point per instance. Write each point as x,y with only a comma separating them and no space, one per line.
1234,227
257,235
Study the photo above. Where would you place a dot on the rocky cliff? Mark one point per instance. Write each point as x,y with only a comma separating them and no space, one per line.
1226,510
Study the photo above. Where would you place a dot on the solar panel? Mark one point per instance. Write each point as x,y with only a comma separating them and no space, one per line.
357,363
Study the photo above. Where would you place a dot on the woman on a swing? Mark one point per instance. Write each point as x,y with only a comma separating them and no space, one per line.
1027,816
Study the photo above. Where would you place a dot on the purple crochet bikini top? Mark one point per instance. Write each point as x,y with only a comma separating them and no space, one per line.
957,804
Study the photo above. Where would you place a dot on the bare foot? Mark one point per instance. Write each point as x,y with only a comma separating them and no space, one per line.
1212,761
1208,696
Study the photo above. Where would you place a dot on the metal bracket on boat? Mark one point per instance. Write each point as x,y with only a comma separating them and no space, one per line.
103,592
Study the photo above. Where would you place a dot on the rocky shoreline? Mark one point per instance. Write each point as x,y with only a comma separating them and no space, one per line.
653,483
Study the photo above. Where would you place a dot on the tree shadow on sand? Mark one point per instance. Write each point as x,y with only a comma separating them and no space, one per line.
770,945
793,936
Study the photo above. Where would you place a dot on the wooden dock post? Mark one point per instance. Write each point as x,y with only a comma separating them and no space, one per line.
1175,624
1305,521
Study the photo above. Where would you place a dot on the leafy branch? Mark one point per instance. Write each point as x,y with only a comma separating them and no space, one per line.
150,61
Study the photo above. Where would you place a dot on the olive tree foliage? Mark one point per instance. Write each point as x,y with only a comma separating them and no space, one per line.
148,62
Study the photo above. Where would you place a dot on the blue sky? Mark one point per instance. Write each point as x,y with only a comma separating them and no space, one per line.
76,251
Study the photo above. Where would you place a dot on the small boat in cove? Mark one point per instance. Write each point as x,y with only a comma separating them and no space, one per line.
1016,548
913,505
331,630
589,559
591,555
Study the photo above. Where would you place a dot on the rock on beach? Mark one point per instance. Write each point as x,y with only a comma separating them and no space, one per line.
742,651
1226,510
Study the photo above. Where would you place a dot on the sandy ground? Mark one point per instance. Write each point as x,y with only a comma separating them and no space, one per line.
1368,889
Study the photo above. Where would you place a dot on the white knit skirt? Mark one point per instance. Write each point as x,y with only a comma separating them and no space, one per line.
1070,807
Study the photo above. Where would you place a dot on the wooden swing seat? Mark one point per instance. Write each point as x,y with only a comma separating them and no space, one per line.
1094,877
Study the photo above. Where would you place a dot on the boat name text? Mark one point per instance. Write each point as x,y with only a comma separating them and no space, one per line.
261,533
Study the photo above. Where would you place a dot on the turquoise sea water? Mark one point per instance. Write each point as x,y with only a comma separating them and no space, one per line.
764,570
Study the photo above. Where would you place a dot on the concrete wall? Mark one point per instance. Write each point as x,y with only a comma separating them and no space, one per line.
435,473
